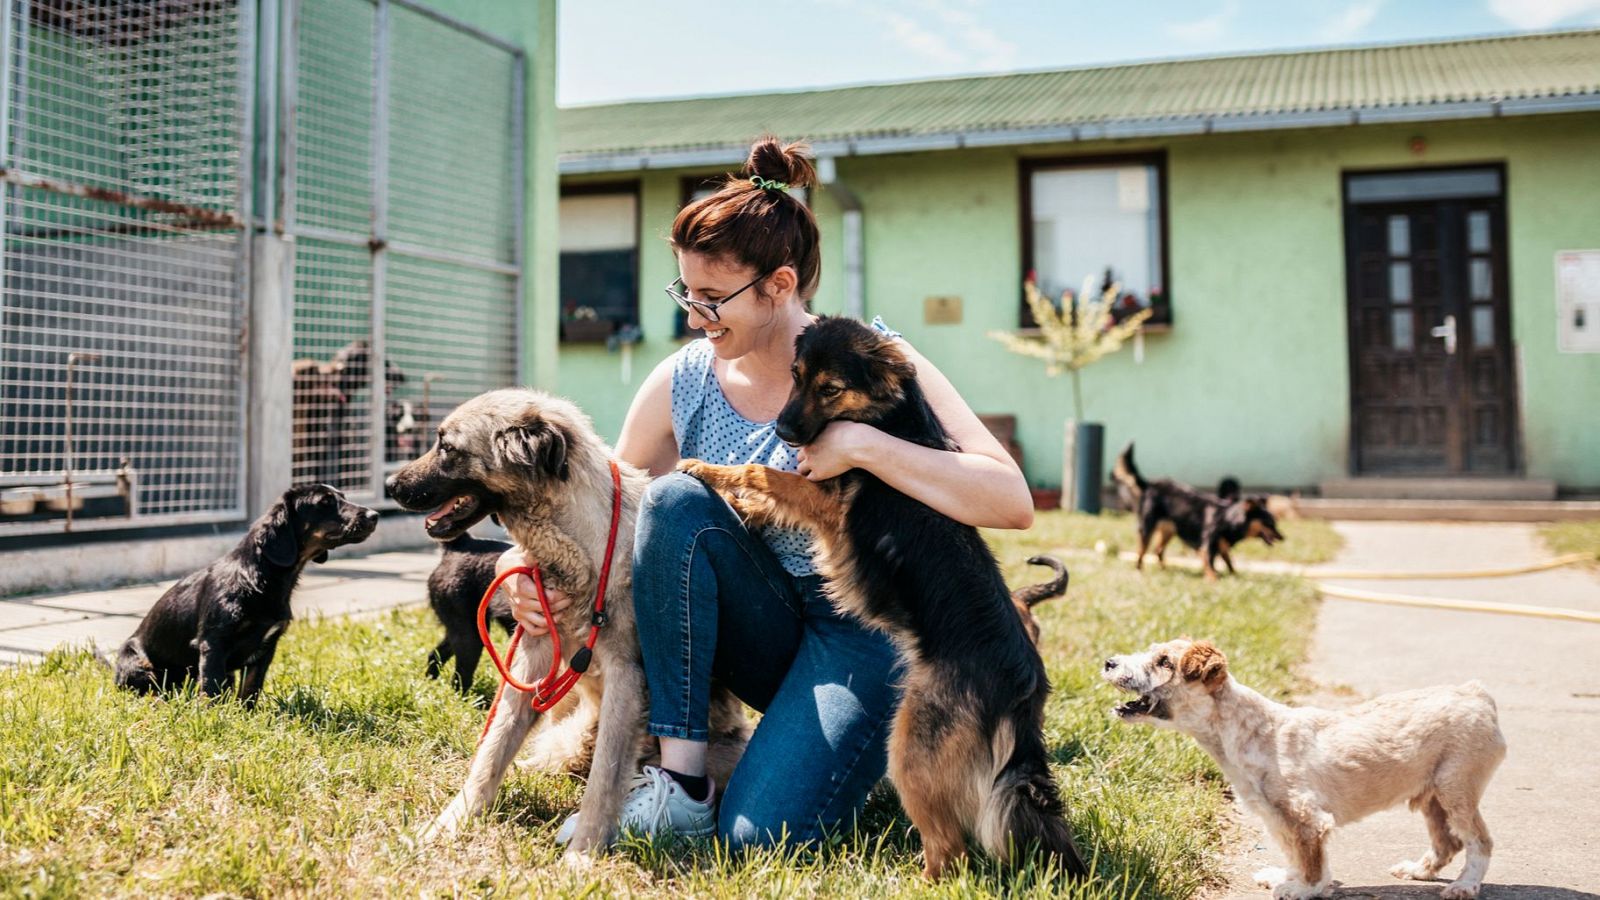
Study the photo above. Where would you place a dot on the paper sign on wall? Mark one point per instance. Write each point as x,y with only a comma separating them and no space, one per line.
1578,301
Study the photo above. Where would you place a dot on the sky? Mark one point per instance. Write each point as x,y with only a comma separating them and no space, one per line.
612,50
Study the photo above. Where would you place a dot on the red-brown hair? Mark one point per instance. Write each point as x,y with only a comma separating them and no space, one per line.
761,228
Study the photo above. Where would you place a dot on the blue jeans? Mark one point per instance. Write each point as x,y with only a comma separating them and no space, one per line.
713,601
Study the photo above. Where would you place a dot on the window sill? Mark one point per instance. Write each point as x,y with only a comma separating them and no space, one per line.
591,331
1152,328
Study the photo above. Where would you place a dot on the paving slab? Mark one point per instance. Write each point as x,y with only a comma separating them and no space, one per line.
21,615
1544,675
130,601
348,586
106,632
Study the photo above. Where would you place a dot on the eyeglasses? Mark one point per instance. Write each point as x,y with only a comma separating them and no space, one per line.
679,292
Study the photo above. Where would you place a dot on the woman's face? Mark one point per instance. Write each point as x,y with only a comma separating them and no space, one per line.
745,320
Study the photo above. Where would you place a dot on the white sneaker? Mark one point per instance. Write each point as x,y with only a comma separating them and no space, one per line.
657,804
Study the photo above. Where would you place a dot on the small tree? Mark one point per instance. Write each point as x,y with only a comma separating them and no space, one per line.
1074,334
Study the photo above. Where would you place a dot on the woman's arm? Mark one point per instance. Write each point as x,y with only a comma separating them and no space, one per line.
979,486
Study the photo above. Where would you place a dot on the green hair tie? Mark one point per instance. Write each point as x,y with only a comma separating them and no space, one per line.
767,184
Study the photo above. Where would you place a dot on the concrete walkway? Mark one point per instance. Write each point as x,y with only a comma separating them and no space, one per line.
1543,806
33,625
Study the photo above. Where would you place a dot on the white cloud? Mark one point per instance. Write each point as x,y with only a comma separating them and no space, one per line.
948,33
1351,21
1542,13
988,49
1208,29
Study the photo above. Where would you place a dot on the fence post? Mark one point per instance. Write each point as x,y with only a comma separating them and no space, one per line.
270,452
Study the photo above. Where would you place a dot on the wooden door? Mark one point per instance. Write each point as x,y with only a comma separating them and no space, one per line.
1431,366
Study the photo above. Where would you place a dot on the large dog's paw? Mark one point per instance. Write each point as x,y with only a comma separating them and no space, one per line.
579,862
712,475
445,826
1417,870
1271,877
735,484
1457,890
1295,889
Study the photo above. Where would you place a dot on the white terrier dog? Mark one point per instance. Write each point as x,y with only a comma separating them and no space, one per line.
1307,771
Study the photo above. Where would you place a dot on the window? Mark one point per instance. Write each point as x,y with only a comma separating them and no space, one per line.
698,187
599,260
1102,218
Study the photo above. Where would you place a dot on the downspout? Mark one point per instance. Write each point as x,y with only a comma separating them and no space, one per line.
855,285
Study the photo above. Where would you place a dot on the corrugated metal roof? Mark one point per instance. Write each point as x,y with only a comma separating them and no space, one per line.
1450,79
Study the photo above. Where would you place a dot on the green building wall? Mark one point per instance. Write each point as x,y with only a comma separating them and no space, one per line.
1252,378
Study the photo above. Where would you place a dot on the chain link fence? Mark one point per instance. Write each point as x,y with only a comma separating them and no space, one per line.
405,204
128,155
122,130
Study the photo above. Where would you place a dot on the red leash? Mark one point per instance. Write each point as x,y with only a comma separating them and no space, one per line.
555,684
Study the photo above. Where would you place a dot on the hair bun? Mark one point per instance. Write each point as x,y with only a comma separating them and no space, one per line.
789,163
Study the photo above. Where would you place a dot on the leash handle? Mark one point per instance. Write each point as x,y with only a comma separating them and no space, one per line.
552,687
549,680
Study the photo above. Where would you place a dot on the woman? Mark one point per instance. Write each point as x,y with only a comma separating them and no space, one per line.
714,600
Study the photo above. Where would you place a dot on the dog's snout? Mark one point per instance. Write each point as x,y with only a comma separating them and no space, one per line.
389,485
370,516
1111,664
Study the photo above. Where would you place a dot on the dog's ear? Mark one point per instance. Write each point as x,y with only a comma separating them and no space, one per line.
894,370
537,444
1204,663
276,541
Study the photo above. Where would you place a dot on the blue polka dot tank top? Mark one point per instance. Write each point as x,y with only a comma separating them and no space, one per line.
707,427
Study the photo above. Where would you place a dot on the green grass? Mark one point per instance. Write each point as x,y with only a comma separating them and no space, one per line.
1573,537
316,791
1306,541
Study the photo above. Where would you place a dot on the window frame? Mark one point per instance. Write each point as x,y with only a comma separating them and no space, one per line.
630,186
1027,167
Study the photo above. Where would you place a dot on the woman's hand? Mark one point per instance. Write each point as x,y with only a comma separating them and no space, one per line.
524,597
837,450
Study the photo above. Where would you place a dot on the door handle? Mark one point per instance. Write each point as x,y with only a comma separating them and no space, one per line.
1448,332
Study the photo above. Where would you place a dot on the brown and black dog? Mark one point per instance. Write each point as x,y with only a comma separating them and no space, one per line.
1211,525
967,752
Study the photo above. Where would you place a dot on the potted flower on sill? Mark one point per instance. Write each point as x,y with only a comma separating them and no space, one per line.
583,324
1073,334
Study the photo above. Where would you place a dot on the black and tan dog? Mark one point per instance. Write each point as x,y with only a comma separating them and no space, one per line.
967,751
1210,525
227,618
535,462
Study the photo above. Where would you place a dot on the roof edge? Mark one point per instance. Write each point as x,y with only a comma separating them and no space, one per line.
1491,37
735,154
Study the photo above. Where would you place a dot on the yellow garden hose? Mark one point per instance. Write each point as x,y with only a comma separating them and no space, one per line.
1505,609
1558,562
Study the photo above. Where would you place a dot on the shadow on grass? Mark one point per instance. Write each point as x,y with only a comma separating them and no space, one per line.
372,720
883,836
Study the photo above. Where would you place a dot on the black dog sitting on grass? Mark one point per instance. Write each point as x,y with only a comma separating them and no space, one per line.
455,588
227,618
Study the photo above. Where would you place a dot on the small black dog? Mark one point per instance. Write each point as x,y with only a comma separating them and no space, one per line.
456,586
227,617
1208,524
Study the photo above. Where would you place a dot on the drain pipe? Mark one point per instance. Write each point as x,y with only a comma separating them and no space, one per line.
855,252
